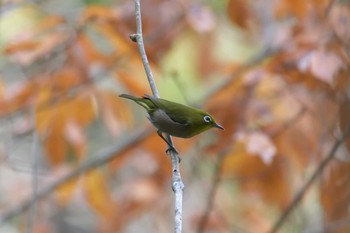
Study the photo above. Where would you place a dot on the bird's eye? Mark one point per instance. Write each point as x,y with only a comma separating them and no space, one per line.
207,119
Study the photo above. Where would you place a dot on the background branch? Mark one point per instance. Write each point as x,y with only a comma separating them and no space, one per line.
299,196
215,185
99,159
34,155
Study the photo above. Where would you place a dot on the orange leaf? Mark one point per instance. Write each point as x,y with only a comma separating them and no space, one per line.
128,79
284,8
118,41
66,78
21,46
54,121
65,192
50,22
97,193
88,51
96,12
114,112
81,108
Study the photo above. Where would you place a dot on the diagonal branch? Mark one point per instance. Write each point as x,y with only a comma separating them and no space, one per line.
299,196
211,197
99,159
34,154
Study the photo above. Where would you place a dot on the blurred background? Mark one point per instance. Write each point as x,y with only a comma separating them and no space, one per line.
275,74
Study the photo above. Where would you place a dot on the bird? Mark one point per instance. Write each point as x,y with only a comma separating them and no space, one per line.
174,119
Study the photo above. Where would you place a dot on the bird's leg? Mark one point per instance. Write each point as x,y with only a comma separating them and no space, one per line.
170,143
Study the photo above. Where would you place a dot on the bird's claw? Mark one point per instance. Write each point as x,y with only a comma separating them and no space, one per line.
171,149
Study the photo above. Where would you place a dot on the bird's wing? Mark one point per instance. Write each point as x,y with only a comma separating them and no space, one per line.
177,112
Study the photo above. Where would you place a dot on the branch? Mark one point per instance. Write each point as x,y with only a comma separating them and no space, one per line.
139,40
176,181
215,185
34,151
99,159
299,196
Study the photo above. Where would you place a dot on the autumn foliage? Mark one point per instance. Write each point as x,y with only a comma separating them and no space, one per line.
275,74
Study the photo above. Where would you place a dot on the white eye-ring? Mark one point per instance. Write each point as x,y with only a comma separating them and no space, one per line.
207,119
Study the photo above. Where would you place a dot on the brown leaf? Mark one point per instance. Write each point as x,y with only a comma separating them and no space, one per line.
297,8
335,194
68,77
270,181
344,116
55,144
239,12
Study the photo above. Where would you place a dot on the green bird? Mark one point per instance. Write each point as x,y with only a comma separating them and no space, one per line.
173,118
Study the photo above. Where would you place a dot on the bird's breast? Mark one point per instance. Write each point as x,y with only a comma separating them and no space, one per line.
161,120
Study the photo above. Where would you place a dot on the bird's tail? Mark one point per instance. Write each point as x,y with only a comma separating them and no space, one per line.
130,97
144,102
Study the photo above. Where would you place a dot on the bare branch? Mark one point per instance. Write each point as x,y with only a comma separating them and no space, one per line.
214,188
177,184
138,38
299,196
99,159
34,154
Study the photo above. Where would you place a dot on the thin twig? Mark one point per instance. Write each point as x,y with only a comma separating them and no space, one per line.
332,226
177,184
299,196
138,38
34,154
212,194
98,160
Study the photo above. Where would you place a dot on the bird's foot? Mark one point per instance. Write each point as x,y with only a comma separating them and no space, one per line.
171,149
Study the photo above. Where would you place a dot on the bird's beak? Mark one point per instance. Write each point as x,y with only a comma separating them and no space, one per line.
216,125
